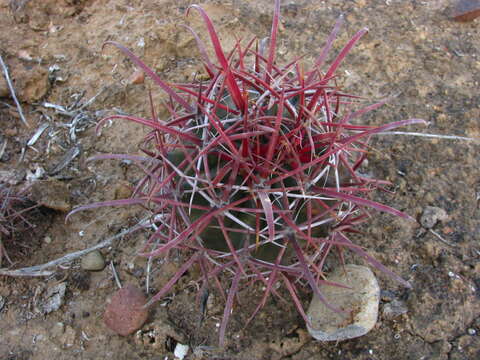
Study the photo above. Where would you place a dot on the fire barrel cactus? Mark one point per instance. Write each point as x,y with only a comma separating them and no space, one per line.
254,175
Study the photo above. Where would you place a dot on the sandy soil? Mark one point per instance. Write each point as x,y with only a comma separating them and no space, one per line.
53,49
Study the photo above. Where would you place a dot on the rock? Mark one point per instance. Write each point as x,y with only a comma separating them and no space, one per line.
431,215
54,298
181,351
466,10
394,309
93,261
125,314
52,194
360,304
32,84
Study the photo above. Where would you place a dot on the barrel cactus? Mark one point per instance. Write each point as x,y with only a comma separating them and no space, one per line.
254,174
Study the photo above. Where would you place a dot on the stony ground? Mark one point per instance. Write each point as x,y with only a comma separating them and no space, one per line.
413,50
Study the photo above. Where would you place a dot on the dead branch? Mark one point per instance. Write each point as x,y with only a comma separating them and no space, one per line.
12,92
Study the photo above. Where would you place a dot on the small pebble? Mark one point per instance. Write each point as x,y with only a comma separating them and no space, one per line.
471,331
53,298
93,261
125,314
431,215
180,351
394,309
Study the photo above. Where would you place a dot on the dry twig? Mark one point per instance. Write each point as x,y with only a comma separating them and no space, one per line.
115,275
40,270
12,92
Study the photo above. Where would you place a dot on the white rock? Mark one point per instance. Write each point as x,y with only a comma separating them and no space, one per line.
180,351
360,304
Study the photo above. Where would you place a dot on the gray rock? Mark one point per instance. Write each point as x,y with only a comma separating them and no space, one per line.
360,304
93,261
54,298
431,215
394,309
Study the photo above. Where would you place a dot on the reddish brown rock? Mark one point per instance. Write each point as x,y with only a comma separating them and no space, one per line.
467,10
31,84
125,314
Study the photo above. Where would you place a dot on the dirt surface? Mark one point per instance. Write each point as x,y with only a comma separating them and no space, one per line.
53,49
